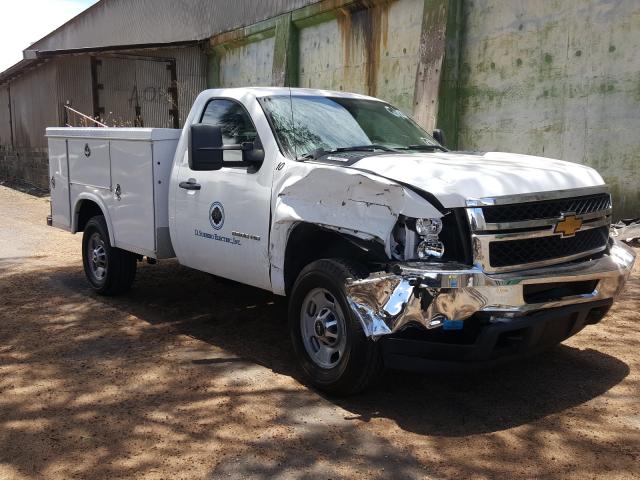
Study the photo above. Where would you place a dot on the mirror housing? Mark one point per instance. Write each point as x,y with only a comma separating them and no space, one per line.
252,153
439,136
205,147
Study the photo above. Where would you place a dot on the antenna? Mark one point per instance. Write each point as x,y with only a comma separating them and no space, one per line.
293,125
289,51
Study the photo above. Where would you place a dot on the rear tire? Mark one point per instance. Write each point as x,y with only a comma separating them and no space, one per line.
335,354
109,270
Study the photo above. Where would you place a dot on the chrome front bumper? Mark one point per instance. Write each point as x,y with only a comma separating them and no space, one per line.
443,296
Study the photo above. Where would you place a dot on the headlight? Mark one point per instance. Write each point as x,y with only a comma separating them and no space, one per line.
428,226
418,238
430,246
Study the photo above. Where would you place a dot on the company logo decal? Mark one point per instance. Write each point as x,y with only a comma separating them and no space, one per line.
216,237
87,150
249,236
216,215
216,219
568,225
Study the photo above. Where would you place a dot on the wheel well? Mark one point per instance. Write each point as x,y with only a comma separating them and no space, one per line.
308,242
87,210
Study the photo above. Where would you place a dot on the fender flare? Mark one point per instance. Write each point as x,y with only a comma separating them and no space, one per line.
98,201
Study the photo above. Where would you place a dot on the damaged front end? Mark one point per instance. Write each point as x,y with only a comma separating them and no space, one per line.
432,298
501,277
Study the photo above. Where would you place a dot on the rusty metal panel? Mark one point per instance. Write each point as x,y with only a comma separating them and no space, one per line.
136,85
117,91
191,70
5,117
126,22
152,82
74,83
191,66
34,106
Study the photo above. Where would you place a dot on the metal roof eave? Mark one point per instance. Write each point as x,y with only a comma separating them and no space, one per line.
18,69
109,48
33,58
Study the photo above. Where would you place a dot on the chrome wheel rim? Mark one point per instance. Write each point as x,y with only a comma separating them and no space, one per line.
97,253
323,328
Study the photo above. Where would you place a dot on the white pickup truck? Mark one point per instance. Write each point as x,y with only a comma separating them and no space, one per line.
393,251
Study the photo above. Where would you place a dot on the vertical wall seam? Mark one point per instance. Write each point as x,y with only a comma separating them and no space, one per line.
285,53
448,110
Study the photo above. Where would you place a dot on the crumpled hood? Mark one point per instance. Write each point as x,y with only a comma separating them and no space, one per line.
454,177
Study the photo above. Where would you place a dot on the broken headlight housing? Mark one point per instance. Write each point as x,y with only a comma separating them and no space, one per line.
430,245
447,238
428,226
417,238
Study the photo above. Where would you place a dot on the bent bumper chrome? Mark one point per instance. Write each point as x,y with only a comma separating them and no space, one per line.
444,295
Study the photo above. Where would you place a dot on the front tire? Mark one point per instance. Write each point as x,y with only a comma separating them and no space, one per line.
109,270
335,354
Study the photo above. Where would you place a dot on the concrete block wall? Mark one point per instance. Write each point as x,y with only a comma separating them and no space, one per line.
390,49
25,165
558,79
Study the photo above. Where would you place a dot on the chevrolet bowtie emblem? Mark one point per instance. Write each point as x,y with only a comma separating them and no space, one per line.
568,225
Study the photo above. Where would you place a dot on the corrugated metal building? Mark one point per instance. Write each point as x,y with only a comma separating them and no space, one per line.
123,62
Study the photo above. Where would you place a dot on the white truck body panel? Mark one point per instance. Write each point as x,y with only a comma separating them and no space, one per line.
126,172
132,214
92,169
239,248
59,183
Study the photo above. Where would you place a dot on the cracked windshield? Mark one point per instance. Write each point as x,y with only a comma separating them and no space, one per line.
309,126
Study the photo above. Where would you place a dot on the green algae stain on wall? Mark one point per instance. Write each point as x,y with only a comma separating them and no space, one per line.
371,50
558,79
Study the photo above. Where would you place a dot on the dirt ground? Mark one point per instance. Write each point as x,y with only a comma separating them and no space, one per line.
192,377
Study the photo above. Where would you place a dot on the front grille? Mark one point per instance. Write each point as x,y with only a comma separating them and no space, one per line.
519,212
538,249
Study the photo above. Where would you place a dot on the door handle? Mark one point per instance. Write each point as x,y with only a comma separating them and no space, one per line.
190,185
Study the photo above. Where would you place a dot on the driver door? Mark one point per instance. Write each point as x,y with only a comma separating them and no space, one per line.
223,227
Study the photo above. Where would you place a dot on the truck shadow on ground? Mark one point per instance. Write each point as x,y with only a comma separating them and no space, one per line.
96,387
251,324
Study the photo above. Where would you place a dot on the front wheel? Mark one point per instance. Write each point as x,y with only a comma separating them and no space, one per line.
328,339
110,270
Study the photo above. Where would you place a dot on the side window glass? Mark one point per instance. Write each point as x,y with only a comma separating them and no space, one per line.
235,123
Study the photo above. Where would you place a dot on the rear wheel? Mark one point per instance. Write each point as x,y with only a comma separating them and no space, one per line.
328,339
110,270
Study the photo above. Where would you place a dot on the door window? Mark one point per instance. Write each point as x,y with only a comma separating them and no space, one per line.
235,123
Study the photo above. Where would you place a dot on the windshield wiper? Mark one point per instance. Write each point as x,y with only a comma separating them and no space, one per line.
423,147
363,148
320,152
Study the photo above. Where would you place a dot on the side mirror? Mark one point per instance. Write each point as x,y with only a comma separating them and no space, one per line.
252,152
205,147
439,136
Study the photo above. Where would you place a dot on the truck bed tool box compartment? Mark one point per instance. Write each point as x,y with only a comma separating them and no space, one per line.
126,171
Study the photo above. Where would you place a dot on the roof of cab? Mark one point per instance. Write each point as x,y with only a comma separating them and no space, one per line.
282,91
